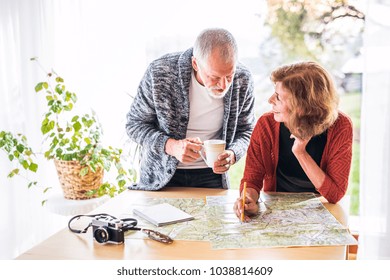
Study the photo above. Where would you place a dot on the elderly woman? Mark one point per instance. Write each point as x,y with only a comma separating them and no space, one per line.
304,144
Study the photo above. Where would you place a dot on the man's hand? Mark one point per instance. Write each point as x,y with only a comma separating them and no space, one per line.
225,160
185,150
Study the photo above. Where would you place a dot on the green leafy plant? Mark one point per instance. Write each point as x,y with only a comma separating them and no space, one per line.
17,149
19,153
68,137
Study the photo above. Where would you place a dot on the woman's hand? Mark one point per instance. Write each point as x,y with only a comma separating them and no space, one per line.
299,146
251,204
315,174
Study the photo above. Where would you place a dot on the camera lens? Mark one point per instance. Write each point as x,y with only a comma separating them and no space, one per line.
101,235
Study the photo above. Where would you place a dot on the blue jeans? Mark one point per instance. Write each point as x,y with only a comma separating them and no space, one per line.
198,178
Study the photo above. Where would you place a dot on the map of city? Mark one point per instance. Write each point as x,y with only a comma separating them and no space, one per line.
296,219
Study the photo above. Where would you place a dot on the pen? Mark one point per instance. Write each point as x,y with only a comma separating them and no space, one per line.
243,202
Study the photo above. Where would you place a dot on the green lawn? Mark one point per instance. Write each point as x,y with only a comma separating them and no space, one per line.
235,174
349,104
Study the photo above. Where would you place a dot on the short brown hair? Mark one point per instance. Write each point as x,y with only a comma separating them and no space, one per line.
314,101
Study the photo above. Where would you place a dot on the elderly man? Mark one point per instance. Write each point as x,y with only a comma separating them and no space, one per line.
187,98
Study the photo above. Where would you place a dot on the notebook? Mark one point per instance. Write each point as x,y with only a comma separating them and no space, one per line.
163,214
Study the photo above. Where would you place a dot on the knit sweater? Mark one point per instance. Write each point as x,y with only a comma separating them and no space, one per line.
263,155
161,110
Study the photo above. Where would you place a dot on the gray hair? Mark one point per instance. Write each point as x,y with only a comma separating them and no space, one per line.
210,39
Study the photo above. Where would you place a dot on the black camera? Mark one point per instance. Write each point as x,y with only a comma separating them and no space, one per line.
107,229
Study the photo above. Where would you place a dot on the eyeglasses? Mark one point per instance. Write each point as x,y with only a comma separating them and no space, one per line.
157,236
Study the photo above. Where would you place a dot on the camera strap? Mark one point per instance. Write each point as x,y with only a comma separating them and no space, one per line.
128,224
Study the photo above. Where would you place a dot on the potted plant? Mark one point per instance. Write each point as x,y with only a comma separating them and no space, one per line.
73,142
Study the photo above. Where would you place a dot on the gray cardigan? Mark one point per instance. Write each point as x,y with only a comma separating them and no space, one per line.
160,111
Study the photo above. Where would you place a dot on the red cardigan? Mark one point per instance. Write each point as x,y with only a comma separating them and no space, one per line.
263,154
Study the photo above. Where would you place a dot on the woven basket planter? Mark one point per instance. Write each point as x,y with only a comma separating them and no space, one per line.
75,186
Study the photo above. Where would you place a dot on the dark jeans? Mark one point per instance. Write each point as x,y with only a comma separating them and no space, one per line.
199,178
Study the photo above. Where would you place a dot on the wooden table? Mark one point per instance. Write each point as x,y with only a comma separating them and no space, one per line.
67,245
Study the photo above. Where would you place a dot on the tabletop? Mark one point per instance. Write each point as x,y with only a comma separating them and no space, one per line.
67,245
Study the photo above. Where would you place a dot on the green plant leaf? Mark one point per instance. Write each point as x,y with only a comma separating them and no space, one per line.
84,171
59,89
38,87
33,183
45,129
122,183
13,173
25,164
68,107
16,154
33,167
45,121
93,167
77,126
47,154
20,148
59,80
105,152
67,157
